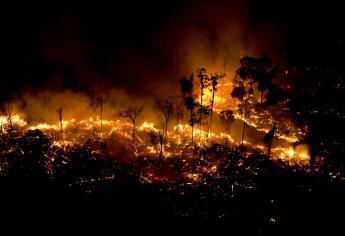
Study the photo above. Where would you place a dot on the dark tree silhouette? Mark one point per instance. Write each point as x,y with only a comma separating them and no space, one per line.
241,94
100,102
204,82
190,105
258,70
214,79
186,86
268,139
167,109
59,111
132,113
252,71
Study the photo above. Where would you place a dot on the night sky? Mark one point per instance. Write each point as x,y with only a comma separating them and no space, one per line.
93,45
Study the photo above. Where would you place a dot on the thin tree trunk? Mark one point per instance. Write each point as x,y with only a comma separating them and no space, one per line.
166,133
161,147
269,151
60,121
244,128
191,118
200,112
228,131
101,116
211,115
133,132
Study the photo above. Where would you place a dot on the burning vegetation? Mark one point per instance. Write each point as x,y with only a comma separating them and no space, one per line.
169,109
212,116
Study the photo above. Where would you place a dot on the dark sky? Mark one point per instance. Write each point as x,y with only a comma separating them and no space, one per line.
97,41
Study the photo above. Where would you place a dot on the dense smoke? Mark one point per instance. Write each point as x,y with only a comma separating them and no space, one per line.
81,65
78,55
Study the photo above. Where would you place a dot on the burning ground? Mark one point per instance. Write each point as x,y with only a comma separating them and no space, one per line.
173,112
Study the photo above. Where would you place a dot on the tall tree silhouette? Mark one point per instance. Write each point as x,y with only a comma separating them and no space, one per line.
190,105
204,82
186,86
166,109
241,94
100,102
59,111
214,79
268,139
132,113
258,71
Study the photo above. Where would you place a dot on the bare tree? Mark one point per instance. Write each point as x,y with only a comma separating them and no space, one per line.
100,102
186,86
132,113
59,111
204,83
268,139
190,105
214,82
166,108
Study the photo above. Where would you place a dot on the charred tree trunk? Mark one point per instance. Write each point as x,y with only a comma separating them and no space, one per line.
228,132
101,104
60,121
243,131
211,114
166,133
161,146
133,132
192,124
201,108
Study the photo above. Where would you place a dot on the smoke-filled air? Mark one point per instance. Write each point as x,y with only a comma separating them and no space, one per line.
202,100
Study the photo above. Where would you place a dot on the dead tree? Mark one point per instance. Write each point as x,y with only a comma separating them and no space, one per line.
268,139
204,83
100,102
214,83
132,113
166,109
59,111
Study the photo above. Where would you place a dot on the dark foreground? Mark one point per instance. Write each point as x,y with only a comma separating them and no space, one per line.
278,205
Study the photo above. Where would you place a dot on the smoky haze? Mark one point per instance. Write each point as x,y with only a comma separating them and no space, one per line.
69,56
142,48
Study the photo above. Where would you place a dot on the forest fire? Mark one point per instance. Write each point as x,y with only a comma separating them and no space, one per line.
211,118
215,112
72,132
